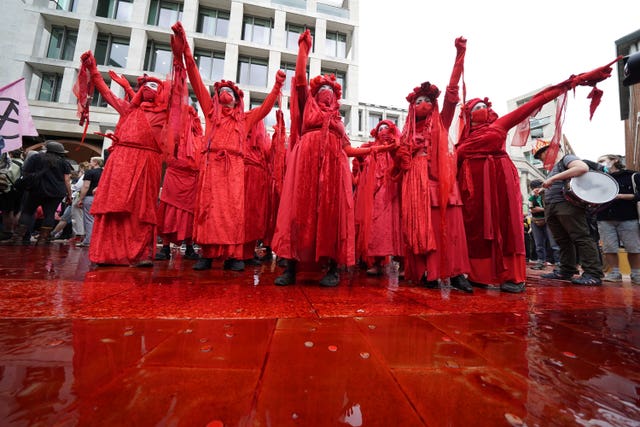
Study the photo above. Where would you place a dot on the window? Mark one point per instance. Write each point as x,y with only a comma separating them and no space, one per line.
111,50
50,87
164,13
293,35
290,70
252,71
341,78
68,5
115,9
213,22
97,100
270,118
374,119
210,63
257,29
336,45
62,43
394,119
158,57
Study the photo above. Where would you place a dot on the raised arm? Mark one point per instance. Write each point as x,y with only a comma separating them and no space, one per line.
180,47
128,90
589,78
452,96
89,62
304,47
259,113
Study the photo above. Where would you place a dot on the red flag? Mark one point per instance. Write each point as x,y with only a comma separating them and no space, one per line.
15,116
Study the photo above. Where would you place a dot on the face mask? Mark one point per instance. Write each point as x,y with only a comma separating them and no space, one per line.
325,97
148,94
226,98
423,109
607,163
480,115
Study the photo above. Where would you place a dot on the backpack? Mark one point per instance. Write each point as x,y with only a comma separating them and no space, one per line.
9,174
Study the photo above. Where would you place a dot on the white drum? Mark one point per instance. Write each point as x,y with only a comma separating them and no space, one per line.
591,189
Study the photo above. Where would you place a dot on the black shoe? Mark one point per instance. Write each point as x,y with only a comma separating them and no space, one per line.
285,279
330,279
203,264
513,288
430,284
191,255
557,275
587,280
163,254
461,283
233,264
252,261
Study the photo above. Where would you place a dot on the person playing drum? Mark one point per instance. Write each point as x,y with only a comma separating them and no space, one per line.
568,221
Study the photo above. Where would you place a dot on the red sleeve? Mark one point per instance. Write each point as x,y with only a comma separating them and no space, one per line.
120,105
199,88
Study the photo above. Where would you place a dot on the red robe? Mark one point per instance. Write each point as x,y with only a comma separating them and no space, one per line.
315,217
178,196
124,207
492,199
219,217
377,209
258,187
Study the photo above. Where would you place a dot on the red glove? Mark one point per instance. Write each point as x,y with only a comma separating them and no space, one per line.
88,60
461,44
305,41
178,30
280,77
590,78
177,45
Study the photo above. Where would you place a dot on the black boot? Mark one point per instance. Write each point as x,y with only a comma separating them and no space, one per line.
19,233
233,264
164,253
203,264
289,275
512,288
461,283
190,253
332,278
43,235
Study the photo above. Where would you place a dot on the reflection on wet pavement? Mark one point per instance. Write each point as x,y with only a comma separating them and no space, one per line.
81,345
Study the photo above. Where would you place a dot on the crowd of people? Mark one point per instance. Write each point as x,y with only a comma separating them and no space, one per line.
449,212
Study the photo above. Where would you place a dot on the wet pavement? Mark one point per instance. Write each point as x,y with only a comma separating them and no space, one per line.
169,346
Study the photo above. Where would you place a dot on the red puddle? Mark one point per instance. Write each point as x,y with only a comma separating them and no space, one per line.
116,346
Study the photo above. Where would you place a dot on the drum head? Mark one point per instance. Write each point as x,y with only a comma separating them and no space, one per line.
594,187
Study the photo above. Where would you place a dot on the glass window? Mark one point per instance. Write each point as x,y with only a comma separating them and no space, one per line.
374,119
257,29
111,50
164,13
213,22
336,45
210,63
68,5
253,71
293,35
158,57
50,87
290,71
62,44
270,119
341,77
115,9
97,100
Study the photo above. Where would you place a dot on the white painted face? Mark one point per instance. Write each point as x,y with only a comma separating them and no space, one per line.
479,106
152,85
422,98
325,87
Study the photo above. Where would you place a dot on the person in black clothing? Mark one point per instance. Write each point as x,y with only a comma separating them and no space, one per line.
85,199
618,220
49,176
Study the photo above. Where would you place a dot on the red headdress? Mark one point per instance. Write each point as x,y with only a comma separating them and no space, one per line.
392,127
425,89
327,79
465,113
